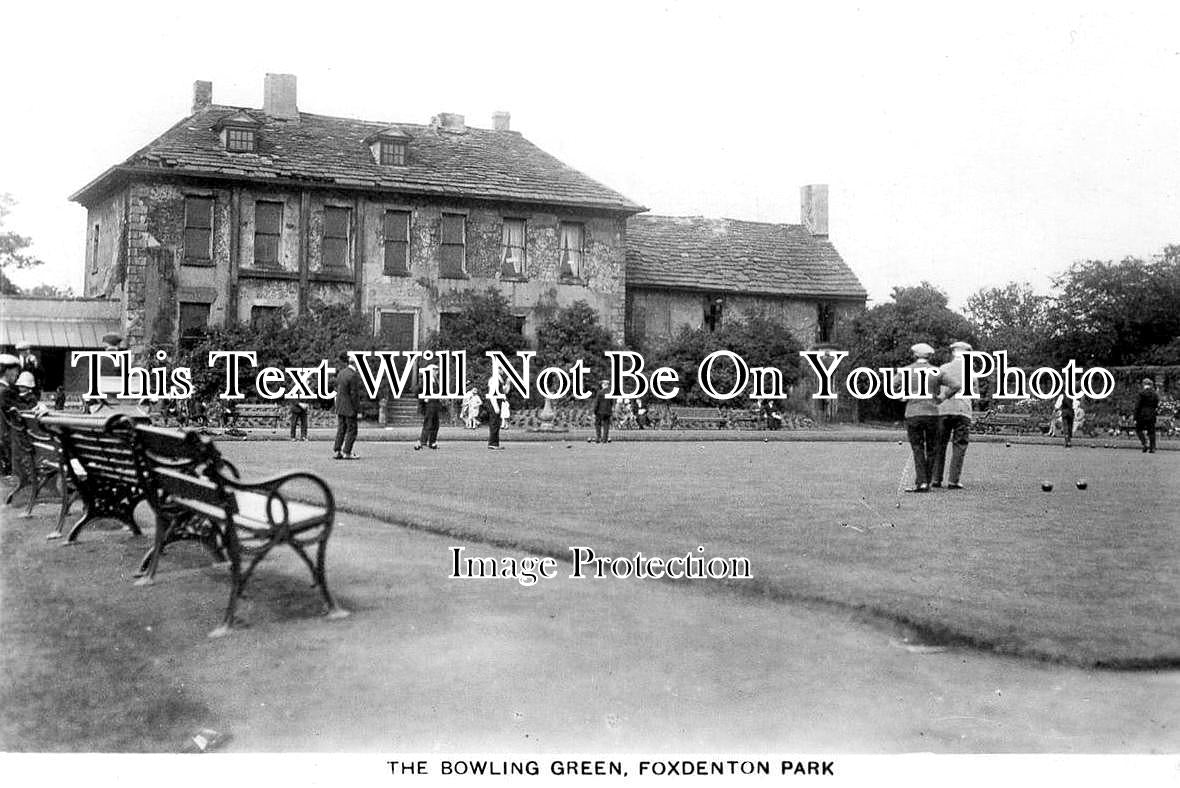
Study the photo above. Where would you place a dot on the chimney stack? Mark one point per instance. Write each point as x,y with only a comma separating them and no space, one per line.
202,95
501,121
814,209
278,97
449,121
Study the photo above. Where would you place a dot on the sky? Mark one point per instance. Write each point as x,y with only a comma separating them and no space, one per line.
965,148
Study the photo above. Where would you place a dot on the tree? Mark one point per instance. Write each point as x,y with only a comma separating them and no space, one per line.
574,333
758,339
12,250
321,335
1117,313
51,291
484,322
1015,319
882,336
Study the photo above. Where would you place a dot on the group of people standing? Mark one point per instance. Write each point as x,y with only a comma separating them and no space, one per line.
19,391
933,422
490,408
940,419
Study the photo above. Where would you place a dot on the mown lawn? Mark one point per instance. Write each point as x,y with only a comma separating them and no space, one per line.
1087,577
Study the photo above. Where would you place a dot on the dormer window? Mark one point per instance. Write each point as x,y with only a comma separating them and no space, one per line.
388,146
393,152
239,140
238,132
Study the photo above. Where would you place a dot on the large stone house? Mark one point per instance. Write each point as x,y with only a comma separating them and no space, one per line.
234,212
693,271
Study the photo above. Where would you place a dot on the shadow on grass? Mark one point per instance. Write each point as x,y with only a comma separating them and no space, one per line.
913,631
76,679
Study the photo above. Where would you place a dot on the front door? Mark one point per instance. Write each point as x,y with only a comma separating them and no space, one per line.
395,330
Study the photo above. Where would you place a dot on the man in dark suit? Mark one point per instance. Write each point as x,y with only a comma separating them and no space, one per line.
348,403
9,370
431,410
603,408
1146,409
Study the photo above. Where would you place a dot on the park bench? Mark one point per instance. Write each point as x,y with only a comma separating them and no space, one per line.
96,456
1018,423
258,415
198,495
698,418
739,419
45,466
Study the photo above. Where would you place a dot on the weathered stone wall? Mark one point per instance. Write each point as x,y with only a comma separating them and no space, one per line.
656,315
158,276
104,273
532,295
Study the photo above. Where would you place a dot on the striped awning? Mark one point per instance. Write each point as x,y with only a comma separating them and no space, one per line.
56,333
58,322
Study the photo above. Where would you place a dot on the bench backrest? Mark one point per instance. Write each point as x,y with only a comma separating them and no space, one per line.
45,447
183,466
101,445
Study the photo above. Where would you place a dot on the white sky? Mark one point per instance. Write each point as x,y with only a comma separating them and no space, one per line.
967,148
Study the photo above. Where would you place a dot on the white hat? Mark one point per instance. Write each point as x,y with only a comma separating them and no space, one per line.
921,350
960,346
23,345
7,360
27,380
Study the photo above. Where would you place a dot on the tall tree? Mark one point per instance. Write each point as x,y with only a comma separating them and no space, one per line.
758,339
484,322
572,333
1117,313
1012,318
882,336
12,249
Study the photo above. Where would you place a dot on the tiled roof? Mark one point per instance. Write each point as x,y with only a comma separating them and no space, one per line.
729,255
473,163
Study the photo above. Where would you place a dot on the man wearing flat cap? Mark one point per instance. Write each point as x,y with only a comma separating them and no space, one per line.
954,422
921,412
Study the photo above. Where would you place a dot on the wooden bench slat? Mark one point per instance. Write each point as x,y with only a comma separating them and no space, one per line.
194,498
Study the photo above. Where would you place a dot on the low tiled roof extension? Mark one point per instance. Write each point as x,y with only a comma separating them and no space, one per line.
730,255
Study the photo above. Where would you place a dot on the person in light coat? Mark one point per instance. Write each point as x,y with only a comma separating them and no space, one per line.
954,422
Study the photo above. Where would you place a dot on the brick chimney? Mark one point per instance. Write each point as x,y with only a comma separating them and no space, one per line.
501,121
814,209
202,95
449,121
278,97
